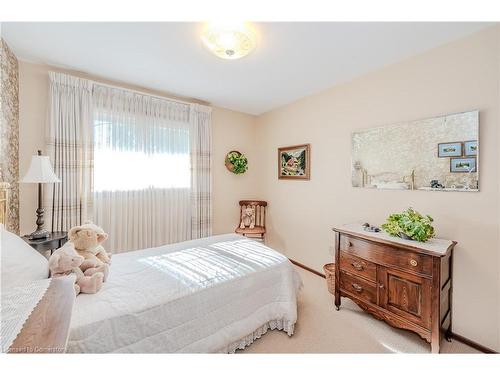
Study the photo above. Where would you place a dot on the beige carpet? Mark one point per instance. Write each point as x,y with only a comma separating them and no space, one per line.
322,329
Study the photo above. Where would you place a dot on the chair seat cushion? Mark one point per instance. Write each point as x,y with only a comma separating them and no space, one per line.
255,230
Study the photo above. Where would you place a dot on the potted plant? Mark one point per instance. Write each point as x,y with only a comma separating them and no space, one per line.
410,225
236,162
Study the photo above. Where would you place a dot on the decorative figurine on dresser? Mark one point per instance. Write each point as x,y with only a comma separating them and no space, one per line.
406,283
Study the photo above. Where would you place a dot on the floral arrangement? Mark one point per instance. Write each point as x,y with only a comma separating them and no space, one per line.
410,225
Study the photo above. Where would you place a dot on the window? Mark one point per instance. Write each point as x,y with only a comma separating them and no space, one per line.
143,165
129,157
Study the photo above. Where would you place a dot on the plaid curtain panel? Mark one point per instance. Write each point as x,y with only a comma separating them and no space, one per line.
69,145
201,176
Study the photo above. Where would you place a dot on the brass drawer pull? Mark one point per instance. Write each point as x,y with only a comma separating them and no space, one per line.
357,287
358,266
413,262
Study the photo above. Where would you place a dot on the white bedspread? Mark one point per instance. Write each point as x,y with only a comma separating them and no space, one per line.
215,294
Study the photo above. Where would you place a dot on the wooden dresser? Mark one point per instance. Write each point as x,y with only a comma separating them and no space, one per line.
406,283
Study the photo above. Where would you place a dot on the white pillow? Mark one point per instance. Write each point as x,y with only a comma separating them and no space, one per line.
20,263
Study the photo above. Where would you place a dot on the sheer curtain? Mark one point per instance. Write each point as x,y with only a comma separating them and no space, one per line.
138,165
142,179
69,145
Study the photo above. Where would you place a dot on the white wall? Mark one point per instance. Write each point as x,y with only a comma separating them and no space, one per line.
232,131
460,76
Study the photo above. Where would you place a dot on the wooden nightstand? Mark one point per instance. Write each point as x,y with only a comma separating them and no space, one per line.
53,242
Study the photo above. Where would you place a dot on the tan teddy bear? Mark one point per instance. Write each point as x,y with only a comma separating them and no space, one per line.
87,239
65,261
248,217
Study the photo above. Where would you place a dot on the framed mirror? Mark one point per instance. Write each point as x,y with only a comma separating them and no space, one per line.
439,153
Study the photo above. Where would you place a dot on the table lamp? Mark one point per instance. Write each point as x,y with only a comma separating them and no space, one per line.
40,172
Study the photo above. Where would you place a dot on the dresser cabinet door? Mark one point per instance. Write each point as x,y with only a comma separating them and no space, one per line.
406,295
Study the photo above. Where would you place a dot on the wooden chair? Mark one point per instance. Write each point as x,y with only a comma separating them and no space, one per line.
259,231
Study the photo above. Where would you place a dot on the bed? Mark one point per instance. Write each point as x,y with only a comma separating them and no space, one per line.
216,294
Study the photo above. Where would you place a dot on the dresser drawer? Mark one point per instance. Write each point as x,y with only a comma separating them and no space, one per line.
358,266
387,255
362,289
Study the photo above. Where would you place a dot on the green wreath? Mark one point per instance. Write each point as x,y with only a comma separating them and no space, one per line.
236,162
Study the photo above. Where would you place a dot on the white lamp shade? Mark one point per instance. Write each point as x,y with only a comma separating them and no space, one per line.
40,171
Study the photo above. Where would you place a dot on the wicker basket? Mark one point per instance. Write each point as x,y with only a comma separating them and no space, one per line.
229,165
330,276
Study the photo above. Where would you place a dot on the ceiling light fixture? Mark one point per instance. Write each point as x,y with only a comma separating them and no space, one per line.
229,40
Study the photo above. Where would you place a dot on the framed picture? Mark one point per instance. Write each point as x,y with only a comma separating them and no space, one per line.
446,150
463,165
470,148
294,162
